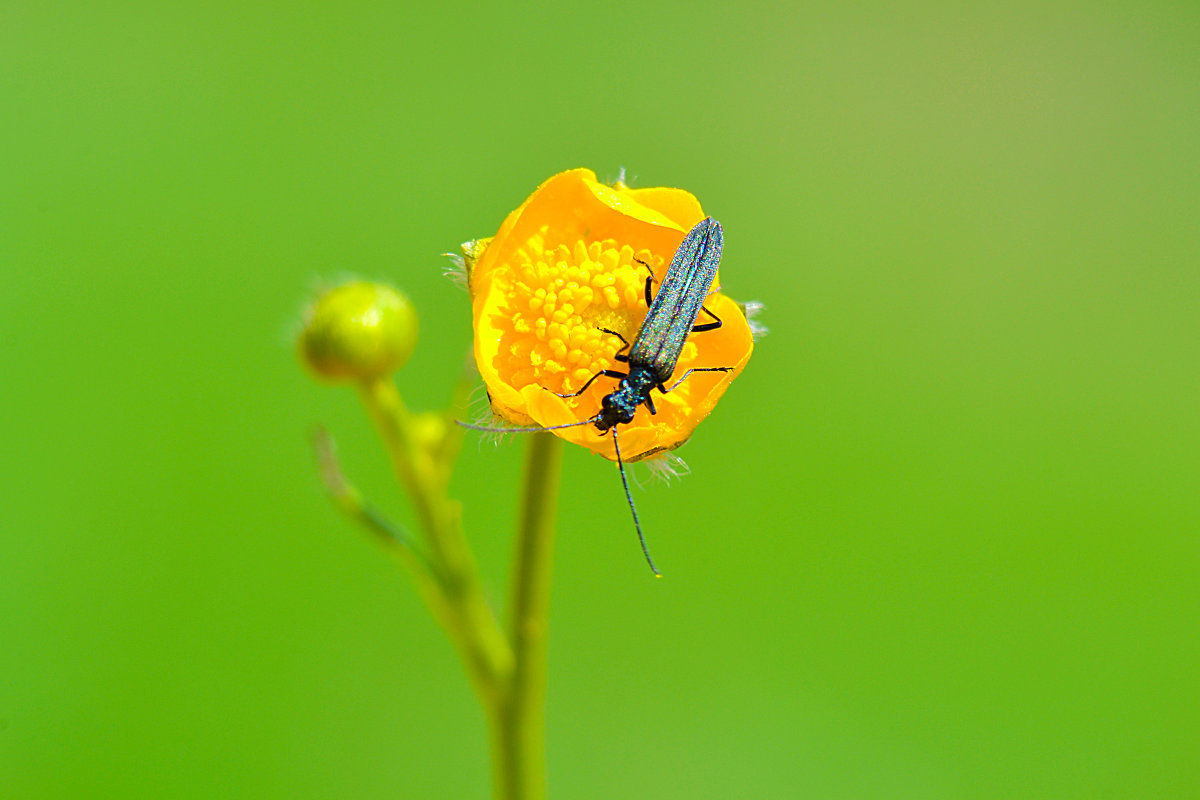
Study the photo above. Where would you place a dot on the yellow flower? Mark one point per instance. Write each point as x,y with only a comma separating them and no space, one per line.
563,266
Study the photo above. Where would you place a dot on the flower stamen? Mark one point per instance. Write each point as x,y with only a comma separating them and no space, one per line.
557,301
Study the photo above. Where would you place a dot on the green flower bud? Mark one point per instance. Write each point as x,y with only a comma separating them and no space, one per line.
358,331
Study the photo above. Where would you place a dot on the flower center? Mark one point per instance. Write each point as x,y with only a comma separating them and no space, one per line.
558,299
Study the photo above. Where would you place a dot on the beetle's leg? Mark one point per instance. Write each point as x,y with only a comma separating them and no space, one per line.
607,373
662,388
649,279
649,403
708,326
619,355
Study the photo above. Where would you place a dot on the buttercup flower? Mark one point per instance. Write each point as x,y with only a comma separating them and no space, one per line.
570,261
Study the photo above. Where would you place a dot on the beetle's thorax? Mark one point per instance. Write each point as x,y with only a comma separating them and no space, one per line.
618,407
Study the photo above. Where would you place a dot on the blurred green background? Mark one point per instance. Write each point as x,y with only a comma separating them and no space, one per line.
940,540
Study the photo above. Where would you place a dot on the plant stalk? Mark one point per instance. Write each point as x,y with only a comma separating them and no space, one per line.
471,624
519,730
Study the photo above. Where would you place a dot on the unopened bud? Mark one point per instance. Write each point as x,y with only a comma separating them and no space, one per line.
358,331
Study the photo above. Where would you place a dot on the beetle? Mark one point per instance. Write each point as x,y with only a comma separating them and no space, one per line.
670,319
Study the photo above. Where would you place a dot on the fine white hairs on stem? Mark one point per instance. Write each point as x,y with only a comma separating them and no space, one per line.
457,270
666,467
752,309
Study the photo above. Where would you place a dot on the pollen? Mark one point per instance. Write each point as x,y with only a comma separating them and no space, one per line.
558,298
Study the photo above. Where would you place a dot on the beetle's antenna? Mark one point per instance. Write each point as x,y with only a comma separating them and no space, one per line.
491,429
636,523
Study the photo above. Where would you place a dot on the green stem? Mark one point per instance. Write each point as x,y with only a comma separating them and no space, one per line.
465,613
508,672
350,501
519,730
